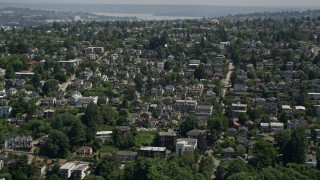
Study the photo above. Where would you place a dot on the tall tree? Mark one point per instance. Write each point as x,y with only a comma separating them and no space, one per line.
299,145
265,153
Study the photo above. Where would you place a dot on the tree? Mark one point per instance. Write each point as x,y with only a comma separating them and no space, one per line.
57,145
9,72
77,134
189,124
50,86
199,73
108,168
264,152
91,119
299,145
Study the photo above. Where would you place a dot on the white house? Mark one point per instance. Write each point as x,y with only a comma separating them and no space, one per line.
185,144
104,135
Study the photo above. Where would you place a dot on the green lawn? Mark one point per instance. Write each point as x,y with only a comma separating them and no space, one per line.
145,139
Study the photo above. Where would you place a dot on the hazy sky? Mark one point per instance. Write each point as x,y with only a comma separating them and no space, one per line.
198,2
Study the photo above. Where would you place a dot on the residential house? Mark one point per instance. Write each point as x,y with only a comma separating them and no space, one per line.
85,150
204,110
239,108
264,127
228,152
125,156
311,160
5,111
276,126
24,75
152,151
166,139
12,91
185,145
104,135
195,91
49,101
240,88
317,133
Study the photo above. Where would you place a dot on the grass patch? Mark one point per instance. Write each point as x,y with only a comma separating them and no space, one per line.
145,139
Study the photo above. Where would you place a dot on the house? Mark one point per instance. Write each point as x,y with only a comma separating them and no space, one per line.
66,170
41,169
228,152
204,110
311,160
77,100
239,108
166,139
12,91
287,109
85,150
185,144
240,88
69,64
125,156
104,135
49,101
48,113
24,142
4,102
195,133
24,75
317,133
80,171
264,127
276,126
94,50
297,123
152,151
5,111
195,91
314,96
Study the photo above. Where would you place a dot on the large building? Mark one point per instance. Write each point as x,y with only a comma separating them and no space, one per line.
166,139
69,64
66,170
152,151
185,144
185,106
19,142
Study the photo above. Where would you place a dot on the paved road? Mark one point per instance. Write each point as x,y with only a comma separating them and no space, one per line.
226,81
63,87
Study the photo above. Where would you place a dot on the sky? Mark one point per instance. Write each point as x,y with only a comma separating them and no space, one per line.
273,3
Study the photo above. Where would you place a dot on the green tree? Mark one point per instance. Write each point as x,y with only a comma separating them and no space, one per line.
9,72
299,145
200,73
264,152
50,86
77,134
57,145
189,124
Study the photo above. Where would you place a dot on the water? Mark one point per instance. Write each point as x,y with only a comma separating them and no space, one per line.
146,16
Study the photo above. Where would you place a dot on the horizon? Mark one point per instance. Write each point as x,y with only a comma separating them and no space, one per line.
172,3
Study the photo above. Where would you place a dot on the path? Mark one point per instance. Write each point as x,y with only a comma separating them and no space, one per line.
63,87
